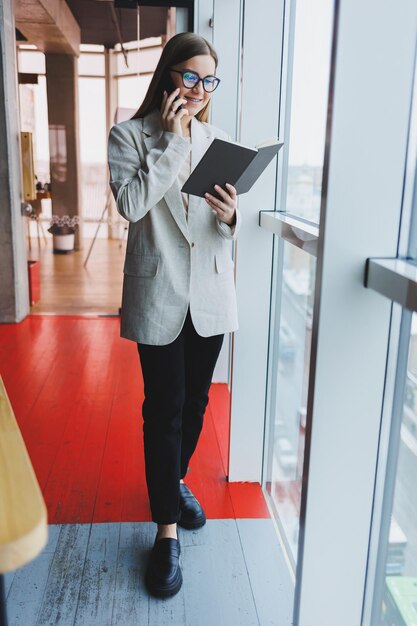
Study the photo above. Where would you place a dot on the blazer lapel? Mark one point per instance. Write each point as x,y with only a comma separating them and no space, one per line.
200,140
152,128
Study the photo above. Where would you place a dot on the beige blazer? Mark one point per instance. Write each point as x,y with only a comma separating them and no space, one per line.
171,261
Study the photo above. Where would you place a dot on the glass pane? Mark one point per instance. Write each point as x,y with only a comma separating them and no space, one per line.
292,360
93,153
91,65
144,43
91,47
144,59
309,96
92,111
399,605
34,119
31,61
132,90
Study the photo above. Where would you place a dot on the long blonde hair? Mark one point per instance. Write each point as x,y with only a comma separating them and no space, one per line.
179,48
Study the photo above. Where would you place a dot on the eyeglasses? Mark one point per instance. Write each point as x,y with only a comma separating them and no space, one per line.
191,79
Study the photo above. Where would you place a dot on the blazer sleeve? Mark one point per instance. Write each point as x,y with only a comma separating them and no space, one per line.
135,190
226,231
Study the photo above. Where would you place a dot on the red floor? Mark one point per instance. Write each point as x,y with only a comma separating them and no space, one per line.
76,391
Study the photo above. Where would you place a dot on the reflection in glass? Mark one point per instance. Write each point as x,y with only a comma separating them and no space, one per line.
292,373
399,605
140,61
92,107
31,60
91,64
132,90
309,98
58,152
93,145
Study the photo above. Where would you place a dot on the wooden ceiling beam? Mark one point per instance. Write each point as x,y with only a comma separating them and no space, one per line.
49,24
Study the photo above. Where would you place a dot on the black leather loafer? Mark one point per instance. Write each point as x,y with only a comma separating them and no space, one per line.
163,575
192,513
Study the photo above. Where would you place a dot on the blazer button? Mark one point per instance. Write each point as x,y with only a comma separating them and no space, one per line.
192,244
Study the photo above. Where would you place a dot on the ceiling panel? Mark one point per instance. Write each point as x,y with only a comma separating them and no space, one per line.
96,19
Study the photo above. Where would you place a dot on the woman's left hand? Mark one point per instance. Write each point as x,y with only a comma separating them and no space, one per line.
225,208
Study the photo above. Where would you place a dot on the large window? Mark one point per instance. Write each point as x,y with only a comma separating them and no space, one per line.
92,116
307,102
329,336
399,597
134,71
307,37
394,601
290,384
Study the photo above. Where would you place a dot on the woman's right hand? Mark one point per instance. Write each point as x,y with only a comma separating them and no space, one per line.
171,119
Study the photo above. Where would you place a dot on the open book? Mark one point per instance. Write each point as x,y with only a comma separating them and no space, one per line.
230,162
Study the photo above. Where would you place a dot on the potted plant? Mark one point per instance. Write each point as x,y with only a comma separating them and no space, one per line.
63,230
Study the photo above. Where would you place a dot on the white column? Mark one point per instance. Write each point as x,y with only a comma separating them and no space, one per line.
14,294
221,116
258,111
203,13
225,110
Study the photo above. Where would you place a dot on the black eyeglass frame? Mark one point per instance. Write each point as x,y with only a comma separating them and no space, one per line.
182,72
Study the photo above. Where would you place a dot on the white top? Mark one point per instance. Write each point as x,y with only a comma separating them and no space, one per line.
184,173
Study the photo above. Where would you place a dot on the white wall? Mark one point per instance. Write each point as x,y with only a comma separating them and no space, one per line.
210,17
246,106
257,111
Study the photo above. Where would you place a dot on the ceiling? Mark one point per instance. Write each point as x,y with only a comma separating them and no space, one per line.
60,26
96,19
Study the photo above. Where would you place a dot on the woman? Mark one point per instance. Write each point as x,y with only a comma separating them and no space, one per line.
178,289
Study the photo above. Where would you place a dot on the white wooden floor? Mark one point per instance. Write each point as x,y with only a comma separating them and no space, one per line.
92,574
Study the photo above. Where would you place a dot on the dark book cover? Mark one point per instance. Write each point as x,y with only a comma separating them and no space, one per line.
228,162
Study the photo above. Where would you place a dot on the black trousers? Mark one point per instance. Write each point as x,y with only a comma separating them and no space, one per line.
177,378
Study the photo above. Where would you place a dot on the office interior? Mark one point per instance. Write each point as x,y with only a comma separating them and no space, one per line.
308,459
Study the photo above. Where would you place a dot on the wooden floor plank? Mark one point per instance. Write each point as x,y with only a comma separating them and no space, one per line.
95,600
81,421
69,287
129,400
63,470
25,599
24,389
63,585
44,430
272,587
219,405
27,585
8,580
216,584
75,463
170,612
110,492
234,574
206,477
68,465
131,600
248,500
77,504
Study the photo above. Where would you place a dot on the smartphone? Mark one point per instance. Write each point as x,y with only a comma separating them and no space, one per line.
181,105
169,87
